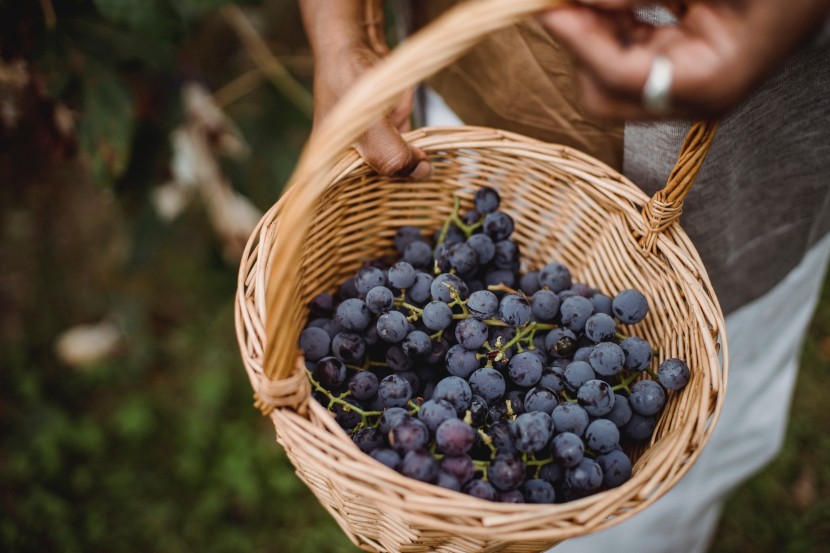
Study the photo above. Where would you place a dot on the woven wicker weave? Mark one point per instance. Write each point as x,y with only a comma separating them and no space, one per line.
568,207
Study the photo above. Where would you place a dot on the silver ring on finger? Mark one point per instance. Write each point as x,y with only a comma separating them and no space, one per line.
657,90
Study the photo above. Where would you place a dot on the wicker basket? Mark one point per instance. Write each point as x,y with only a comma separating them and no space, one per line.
568,207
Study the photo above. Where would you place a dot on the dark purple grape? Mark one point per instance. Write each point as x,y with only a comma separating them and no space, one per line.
570,417
454,437
478,410
630,306
488,384
502,436
602,436
525,369
349,347
620,414
448,481
483,246
394,391
480,489
540,399
363,385
529,283
637,353
392,327
560,342
380,299
388,457
410,435
437,315
418,254
401,275
582,289
596,397
420,292
514,310
583,354
407,235
368,439
607,359
460,466
321,306
345,416
367,278
315,343
456,391
391,418
531,431
444,285
435,411
673,374
602,303
600,327
506,472
353,315
483,305
575,311
420,465
506,255
552,380
461,362
552,472
516,398
538,491
397,360
567,449
545,305
417,344
500,276
330,372
555,276
647,397
463,258
347,290
576,374
586,476
486,200
471,333
616,468
640,427
498,225
513,496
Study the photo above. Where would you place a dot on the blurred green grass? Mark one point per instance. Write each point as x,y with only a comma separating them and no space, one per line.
159,448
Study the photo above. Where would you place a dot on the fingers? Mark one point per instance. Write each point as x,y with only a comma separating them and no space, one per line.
384,150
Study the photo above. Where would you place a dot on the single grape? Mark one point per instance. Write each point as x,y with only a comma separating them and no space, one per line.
471,333
420,292
586,476
460,466
447,481
315,343
616,468
394,391
560,342
380,299
454,437
330,372
363,385
461,362
630,306
484,247
602,436
555,276
607,359
552,472
525,369
602,303
353,315
575,311
321,306
498,225
392,326
640,427
463,258
600,327
456,391
420,465
435,411
570,417
637,353
513,496
537,490
540,399
501,434
552,380
401,275
368,439
531,431
647,397
407,235
478,410
506,255
349,347
583,354
437,315
545,305
673,374
387,456
391,418
486,200
443,286
514,310
418,254
367,278
506,472
397,360
417,344
567,449
489,384
480,489
483,305
596,397
620,413
529,283
410,435
576,374
438,353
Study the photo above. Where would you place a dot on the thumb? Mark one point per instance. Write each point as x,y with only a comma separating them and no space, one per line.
383,148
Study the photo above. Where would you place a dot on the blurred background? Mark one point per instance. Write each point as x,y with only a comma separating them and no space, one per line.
140,142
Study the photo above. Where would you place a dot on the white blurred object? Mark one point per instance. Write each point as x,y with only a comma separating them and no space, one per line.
84,345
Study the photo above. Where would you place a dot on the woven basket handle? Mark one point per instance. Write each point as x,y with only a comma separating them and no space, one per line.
419,57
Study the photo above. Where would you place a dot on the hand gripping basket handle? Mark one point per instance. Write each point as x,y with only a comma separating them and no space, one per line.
417,58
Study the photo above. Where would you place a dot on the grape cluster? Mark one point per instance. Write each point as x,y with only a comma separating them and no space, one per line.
450,366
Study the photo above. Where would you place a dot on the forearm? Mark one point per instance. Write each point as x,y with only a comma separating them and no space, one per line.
334,25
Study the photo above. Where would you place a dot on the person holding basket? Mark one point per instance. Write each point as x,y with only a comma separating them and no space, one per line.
619,80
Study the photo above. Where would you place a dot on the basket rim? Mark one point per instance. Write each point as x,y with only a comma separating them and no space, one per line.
250,323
